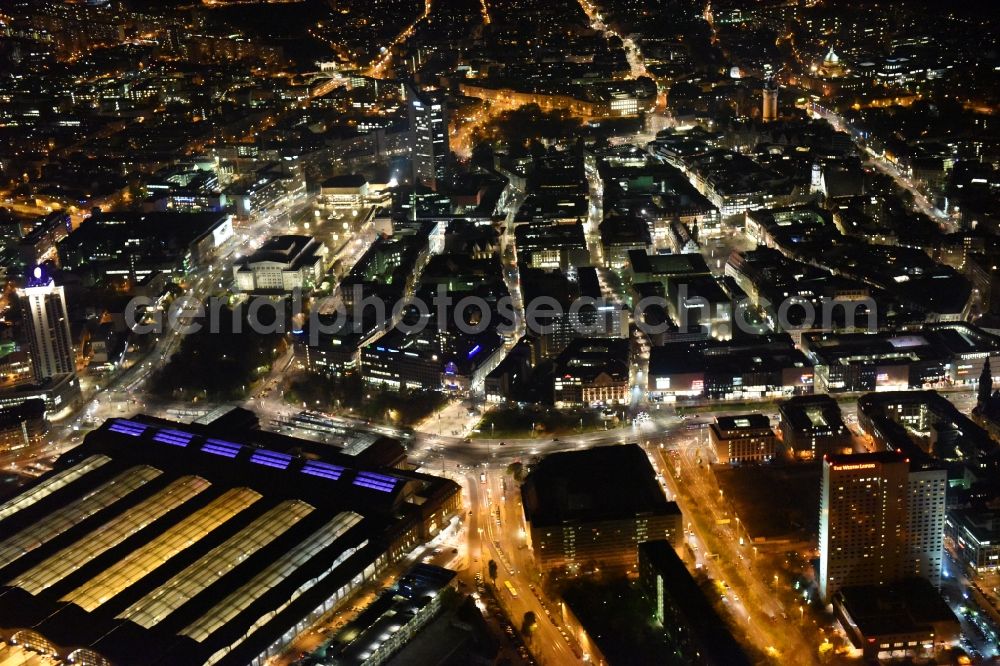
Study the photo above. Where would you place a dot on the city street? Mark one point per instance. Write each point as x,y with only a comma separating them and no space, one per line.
500,536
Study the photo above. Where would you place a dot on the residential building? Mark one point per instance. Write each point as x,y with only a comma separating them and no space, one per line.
592,508
692,626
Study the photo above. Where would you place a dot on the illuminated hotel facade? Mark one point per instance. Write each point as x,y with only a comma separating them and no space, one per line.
48,327
159,543
881,520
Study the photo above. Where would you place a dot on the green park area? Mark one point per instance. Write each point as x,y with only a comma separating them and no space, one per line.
524,422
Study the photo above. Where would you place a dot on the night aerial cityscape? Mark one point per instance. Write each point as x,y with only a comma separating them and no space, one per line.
499,332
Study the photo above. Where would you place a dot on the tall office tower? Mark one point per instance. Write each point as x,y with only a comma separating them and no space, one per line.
881,520
48,326
770,92
428,134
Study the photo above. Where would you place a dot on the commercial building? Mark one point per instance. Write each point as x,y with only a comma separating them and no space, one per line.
269,190
22,425
881,520
698,301
734,183
769,106
130,246
15,364
190,188
728,370
738,440
637,183
944,353
620,236
557,190
692,626
664,268
389,268
975,534
397,615
592,372
780,227
925,424
47,324
343,192
431,360
904,618
57,392
771,280
549,245
154,542
282,264
811,426
862,362
428,114
582,310
337,353
592,508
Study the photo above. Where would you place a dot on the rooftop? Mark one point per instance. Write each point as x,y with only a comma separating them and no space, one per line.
908,607
598,484
715,643
288,250
742,422
157,542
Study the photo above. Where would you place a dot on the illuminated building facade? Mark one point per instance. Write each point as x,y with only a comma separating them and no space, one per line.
769,111
747,438
592,508
881,520
282,264
48,327
429,150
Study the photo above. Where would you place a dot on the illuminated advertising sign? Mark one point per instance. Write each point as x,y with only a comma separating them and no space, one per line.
853,467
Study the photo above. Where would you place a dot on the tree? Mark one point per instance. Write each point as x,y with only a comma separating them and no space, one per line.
516,470
492,566
529,623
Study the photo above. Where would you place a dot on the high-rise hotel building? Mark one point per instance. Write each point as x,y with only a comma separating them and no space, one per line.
881,520
48,327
